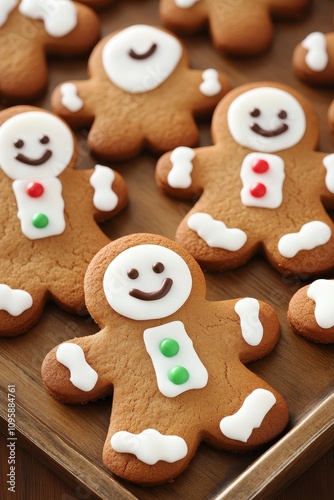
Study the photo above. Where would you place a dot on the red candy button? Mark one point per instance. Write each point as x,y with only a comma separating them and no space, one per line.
34,189
260,166
258,190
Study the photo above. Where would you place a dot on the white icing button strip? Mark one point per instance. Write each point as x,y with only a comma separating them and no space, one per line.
105,199
316,46
184,361
59,16
211,85
185,4
249,417
251,327
215,233
82,374
150,446
50,204
322,292
15,302
6,7
328,163
311,235
69,97
181,159
271,179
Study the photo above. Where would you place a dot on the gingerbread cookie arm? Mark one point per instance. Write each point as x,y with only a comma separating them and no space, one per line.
109,191
79,38
313,59
310,312
211,86
258,328
73,372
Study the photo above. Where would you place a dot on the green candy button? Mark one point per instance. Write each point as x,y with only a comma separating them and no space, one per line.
178,375
169,347
40,220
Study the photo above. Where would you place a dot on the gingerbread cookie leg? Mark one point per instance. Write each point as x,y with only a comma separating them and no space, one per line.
184,16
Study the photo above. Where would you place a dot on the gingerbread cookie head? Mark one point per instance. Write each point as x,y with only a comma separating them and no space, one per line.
265,136
172,357
310,312
29,30
233,29
142,72
48,215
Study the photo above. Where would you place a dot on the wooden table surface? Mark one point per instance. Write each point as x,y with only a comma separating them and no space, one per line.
69,440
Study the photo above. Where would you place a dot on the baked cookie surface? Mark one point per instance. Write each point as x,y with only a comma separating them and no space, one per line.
173,360
262,187
48,216
141,93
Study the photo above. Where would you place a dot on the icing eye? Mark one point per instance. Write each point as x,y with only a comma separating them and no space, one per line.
44,140
158,267
133,274
19,144
255,113
282,114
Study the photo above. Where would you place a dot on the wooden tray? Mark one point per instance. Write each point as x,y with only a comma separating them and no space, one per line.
70,439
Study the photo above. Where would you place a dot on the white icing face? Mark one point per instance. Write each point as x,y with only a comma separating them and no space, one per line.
147,282
140,58
266,119
35,146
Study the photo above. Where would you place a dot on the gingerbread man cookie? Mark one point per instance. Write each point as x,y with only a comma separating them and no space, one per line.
262,186
311,312
313,63
31,29
48,216
175,361
238,27
141,93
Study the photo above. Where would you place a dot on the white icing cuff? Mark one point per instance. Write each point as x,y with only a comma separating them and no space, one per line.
69,97
181,159
15,302
311,235
82,375
215,233
322,292
211,85
249,417
59,18
251,327
150,446
6,7
105,199
316,45
328,163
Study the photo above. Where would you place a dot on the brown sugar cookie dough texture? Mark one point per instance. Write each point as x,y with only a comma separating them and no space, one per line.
29,31
141,93
262,187
240,27
175,361
48,216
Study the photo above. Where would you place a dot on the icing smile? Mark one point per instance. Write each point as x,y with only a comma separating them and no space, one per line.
145,55
269,133
158,294
34,162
